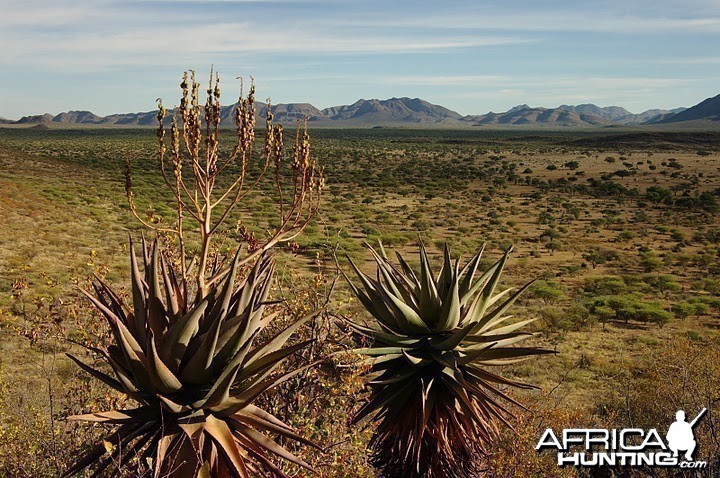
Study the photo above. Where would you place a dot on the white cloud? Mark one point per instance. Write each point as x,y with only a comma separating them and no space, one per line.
173,43
34,13
550,21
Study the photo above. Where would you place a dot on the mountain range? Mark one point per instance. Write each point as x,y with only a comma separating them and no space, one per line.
417,112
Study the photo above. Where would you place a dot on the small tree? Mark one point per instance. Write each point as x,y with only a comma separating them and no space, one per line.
549,292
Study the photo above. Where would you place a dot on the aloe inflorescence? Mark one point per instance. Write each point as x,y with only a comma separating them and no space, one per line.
194,368
433,345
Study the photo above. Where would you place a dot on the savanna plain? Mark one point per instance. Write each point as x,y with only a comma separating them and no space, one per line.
619,230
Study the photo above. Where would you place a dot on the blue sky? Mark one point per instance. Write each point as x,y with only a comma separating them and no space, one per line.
470,56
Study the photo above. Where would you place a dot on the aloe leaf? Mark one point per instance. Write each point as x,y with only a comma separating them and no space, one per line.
178,336
260,423
379,351
485,338
384,337
138,294
394,378
164,380
445,277
235,404
199,366
117,416
171,293
468,272
504,340
400,285
409,272
124,376
449,343
103,377
450,312
486,322
510,328
429,299
220,391
268,363
479,284
513,352
373,301
97,451
221,433
489,289
396,394
276,342
222,306
271,446
133,354
171,405
473,355
155,309
416,361
406,316
258,412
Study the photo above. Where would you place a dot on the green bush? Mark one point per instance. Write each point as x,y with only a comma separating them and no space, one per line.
690,308
662,282
650,262
627,307
547,291
605,285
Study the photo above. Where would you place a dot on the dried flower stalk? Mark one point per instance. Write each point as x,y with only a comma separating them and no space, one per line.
193,145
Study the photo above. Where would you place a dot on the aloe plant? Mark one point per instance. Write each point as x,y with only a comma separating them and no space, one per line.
192,349
195,369
433,344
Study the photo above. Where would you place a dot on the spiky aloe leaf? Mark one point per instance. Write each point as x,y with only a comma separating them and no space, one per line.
195,369
436,404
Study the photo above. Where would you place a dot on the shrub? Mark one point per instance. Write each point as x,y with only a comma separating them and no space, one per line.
605,285
549,292
690,308
650,262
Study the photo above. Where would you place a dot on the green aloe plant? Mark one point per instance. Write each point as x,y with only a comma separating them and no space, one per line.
432,346
194,368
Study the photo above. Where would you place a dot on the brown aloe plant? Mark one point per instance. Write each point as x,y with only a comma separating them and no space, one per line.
192,350
433,345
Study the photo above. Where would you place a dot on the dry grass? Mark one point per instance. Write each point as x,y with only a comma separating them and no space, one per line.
63,199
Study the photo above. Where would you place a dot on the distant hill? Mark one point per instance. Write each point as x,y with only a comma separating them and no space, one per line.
649,116
394,110
707,111
46,118
84,117
517,108
610,113
618,114
538,116
413,112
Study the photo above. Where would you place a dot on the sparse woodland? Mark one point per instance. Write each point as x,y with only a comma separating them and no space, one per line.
245,329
